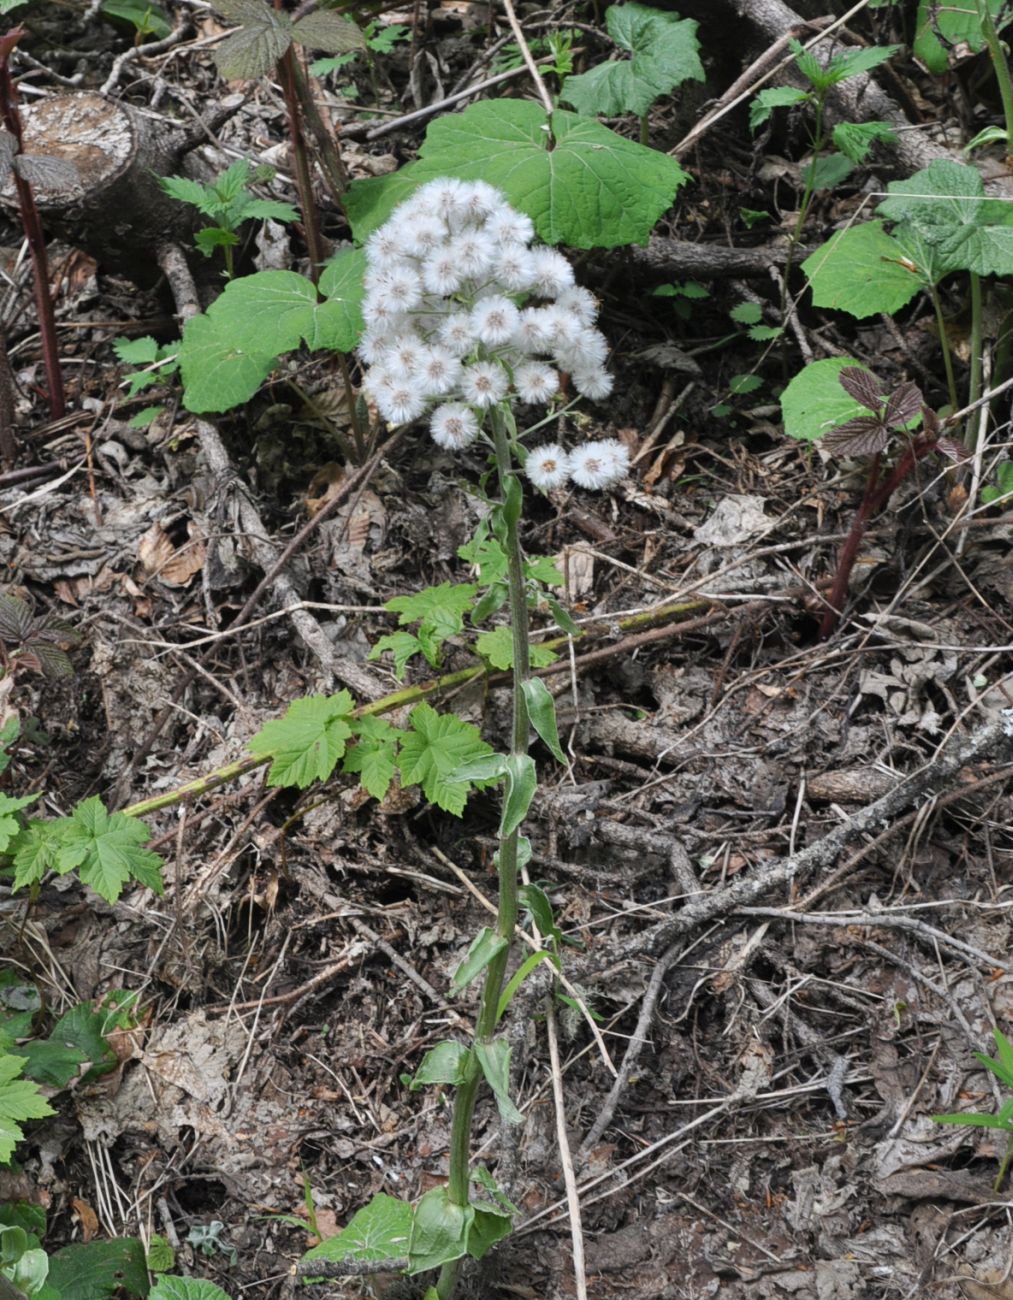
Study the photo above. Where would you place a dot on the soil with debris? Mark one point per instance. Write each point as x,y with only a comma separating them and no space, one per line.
772,1136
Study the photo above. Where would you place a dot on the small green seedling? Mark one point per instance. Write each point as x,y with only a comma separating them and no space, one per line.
557,46
1003,490
228,202
157,364
1003,1118
379,38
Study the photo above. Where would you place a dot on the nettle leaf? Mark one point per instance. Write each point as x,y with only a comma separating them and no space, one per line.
946,201
187,191
855,139
268,210
106,849
264,37
827,171
814,402
307,742
328,31
136,352
580,183
664,51
862,270
20,1100
437,745
373,755
774,97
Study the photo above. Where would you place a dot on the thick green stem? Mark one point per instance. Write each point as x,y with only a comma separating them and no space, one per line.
506,858
998,57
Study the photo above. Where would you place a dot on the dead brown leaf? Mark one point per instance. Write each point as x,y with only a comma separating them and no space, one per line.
171,564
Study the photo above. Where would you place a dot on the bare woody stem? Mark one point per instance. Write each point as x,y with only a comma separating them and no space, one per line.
506,858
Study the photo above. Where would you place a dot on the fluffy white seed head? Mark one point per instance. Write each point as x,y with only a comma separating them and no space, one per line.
453,426
536,383
484,384
552,272
438,370
547,467
593,382
494,320
598,465
457,333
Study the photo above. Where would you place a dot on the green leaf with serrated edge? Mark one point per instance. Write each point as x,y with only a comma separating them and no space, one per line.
488,555
589,189
272,312
34,850
664,51
402,646
947,203
442,607
328,31
814,402
827,171
855,139
446,1063
217,374
497,647
269,210
373,755
136,352
256,47
862,271
186,1288
306,743
185,190
10,824
380,1230
439,1231
98,1270
774,97
522,782
435,747
542,712
494,1058
84,1028
544,569
530,963
742,385
144,417
852,63
20,1100
214,237
747,313
107,850
958,23
762,333
161,1256
490,1225
485,946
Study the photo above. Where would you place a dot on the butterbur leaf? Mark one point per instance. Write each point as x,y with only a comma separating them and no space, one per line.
380,1230
99,1270
774,97
217,374
863,386
439,1231
307,742
664,51
863,436
862,270
903,405
814,402
185,1288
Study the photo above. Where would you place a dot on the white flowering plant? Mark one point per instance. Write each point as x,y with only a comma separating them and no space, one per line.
467,321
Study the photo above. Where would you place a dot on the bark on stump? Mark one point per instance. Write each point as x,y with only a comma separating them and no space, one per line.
114,209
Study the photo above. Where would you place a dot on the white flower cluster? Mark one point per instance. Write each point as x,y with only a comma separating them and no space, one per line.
449,328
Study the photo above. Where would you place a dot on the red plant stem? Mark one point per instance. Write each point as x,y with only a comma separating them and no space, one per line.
311,227
876,496
32,227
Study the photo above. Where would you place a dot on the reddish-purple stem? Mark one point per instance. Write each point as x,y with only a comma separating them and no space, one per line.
876,496
32,227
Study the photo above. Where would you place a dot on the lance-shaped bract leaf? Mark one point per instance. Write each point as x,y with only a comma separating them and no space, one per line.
664,51
580,183
439,1231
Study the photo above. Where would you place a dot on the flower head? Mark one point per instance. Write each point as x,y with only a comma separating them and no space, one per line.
464,311
599,465
548,466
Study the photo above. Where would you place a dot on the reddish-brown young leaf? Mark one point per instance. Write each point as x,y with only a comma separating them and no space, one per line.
863,387
903,405
862,436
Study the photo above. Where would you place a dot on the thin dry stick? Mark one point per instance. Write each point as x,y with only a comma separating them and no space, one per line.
632,1052
563,1141
529,60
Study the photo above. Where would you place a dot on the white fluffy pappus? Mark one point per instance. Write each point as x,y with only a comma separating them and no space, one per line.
548,466
598,465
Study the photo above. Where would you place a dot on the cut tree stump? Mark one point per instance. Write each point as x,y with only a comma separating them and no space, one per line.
111,205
